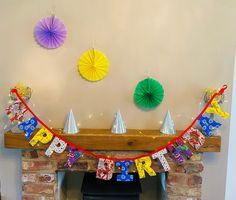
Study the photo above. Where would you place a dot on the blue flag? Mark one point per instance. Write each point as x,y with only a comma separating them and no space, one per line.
208,125
28,126
124,176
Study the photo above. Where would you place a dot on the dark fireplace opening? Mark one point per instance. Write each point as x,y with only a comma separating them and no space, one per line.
73,185
97,189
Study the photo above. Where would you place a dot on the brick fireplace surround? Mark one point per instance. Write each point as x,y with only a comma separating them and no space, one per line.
39,174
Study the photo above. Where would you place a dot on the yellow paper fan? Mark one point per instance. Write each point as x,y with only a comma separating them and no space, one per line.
93,65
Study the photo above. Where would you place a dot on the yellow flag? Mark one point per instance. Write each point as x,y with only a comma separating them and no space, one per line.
144,164
43,135
216,109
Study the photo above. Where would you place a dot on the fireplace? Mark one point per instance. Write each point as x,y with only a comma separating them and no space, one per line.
97,189
70,182
40,174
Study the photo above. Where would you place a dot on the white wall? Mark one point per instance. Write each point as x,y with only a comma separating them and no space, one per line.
231,173
186,45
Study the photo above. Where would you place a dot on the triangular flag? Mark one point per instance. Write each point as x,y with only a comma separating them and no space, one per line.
70,126
216,109
168,125
118,124
28,126
208,125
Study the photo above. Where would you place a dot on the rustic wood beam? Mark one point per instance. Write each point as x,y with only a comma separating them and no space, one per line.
103,139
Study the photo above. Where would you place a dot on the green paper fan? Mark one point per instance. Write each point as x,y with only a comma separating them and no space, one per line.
148,94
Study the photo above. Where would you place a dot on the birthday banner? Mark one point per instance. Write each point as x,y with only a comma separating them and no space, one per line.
177,147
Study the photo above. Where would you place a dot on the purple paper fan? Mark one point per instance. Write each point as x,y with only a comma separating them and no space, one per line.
50,32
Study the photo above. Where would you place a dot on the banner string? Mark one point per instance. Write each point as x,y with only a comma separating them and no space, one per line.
220,92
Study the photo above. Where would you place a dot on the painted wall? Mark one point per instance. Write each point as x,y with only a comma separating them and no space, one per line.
231,164
186,45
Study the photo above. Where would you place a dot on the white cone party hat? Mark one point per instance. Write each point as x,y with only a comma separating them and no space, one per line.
70,126
118,124
168,125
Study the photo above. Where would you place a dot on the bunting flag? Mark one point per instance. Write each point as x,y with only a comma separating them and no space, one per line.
216,109
208,125
144,164
182,148
124,176
177,148
16,111
162,159
43,135
194,137
57,146
105,169
73,156
179,159
28,127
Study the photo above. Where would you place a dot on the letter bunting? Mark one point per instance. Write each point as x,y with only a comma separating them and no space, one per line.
194,137
216,109
162,159
175,152
178,148
28,127
105,169
73,156
43,135
144,164
208,125
57,146
16,111
124,176
182,148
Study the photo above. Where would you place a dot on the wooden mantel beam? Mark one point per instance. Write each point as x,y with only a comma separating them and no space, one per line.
103,139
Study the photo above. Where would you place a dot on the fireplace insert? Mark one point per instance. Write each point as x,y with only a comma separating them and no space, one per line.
97,189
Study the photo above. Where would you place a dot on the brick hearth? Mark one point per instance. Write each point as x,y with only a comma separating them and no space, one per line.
39,173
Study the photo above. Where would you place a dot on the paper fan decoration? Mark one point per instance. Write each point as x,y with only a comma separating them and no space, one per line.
50,32
148,94
93,65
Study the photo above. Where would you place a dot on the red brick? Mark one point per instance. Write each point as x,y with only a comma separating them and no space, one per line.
29,154
46,178
29,177
38,165
176,197
37,197
41,153
46,198
176,179
183,181
29,197
54,156
194,180
193,167
170,197
79,166
92,165
177,168
183,191
38,189
196,157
